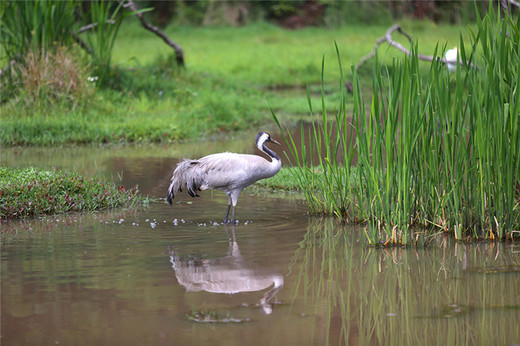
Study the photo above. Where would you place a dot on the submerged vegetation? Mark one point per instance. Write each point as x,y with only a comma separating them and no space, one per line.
441,152
28,192
213,317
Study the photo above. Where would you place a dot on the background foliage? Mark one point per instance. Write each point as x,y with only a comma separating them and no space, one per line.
301,13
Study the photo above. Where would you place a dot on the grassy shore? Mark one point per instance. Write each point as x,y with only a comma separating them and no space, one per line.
29,192
233,77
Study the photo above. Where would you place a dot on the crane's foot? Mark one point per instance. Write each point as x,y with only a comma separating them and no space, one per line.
232,221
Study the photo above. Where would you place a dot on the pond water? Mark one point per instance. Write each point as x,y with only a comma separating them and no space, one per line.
176,276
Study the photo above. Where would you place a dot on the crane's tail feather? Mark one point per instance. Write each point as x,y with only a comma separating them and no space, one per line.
191,189
186,174
171,195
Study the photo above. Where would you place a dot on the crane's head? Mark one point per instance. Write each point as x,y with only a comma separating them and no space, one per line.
262,138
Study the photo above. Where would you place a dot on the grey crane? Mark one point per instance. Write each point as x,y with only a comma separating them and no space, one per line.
226,171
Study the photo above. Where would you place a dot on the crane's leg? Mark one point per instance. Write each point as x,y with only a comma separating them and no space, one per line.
228,208
227,213
233,215
232,202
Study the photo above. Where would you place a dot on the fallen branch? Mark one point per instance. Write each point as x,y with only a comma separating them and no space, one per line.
93,25
388,38
179,55
81,43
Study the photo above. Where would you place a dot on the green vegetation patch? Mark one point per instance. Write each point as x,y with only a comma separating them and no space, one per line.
285,180
290,179
27,192
213,317
159,103
233,76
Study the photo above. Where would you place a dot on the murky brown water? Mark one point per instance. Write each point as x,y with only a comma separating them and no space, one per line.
168,275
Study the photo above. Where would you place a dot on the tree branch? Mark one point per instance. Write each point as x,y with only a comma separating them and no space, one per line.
93,25
81,43
388,38
179,55
504,3
88,27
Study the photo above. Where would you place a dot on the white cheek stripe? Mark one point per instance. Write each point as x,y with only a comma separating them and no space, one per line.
262,140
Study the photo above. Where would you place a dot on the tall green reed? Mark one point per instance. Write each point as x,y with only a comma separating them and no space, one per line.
387,147
39,27
329,153
495,102
443,150
35,26
439,151
107,17
31,26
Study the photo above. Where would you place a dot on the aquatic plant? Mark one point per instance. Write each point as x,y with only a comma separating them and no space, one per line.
203,316
327,182
27,192
439,151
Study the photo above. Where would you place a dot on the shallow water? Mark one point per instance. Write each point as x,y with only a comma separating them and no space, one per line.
176,276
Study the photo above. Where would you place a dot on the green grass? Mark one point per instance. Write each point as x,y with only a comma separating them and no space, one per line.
29,192
265,55
233,77
284,180
288,180
179,106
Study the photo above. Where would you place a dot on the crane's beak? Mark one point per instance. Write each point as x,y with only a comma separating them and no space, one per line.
274,141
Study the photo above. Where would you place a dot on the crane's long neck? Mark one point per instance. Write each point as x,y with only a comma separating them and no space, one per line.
274,156
275,164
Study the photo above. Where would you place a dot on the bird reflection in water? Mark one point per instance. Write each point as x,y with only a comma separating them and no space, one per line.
230,274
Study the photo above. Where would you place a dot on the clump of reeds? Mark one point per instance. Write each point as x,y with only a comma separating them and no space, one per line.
440,152
327,181
35,30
